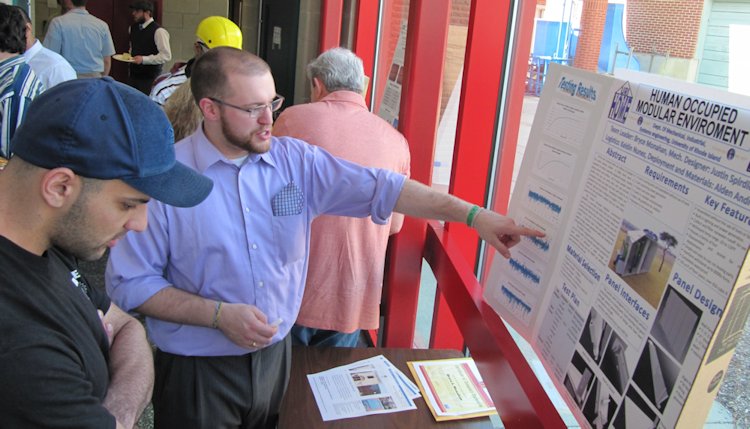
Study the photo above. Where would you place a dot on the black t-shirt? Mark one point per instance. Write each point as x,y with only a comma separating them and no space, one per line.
54,351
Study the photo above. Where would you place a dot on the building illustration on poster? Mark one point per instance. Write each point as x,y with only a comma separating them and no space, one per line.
636,252
647,245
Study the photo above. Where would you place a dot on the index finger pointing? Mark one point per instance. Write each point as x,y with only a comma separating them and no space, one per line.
531,232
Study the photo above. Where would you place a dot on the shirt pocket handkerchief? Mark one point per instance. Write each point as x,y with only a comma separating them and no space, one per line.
288,201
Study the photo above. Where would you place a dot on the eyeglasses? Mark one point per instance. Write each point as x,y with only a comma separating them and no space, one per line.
203,46
254,111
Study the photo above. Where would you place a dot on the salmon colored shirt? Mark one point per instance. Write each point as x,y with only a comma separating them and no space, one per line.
345,275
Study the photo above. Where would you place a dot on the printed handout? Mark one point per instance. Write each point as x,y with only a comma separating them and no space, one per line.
369,386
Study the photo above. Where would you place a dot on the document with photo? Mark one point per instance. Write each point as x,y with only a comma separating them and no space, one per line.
370,386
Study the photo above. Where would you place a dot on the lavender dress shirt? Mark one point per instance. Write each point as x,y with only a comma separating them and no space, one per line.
248,242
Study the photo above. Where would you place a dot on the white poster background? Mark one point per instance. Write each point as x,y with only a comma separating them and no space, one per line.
642,186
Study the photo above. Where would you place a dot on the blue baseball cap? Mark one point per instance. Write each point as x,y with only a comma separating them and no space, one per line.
103,129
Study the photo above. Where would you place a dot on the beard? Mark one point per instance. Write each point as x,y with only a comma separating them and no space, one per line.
74,234
243,142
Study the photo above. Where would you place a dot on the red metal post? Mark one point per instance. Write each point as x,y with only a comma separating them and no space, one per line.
475,133
331,14
364,37
516,91
445,333
478,111
426,40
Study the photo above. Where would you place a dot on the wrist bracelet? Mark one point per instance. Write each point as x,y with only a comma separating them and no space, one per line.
217,315
472,215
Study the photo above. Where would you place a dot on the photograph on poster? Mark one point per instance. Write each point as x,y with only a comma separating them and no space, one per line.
615,363
736,319
643,258
634,412
600,407
578,379
675,324
596,333
393,73
656,374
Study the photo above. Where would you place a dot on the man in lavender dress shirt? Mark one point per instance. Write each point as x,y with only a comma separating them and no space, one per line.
221,283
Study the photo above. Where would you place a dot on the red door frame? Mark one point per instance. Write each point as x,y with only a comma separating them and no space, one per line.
516,91
426,39
331,15
475,136
365,33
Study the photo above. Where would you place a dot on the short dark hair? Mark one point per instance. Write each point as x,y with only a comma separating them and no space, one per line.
210,72
79,3
25,15
12,30
143,5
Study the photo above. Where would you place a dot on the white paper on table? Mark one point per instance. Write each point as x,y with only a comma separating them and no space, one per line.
370,386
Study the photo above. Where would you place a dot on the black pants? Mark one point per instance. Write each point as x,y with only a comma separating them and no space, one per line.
221,392
142,84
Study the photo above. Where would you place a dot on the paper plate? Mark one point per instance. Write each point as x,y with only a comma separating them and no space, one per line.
121,57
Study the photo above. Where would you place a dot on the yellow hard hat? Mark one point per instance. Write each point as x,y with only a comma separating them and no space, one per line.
219,31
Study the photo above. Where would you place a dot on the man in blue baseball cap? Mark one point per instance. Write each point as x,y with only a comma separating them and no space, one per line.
89,156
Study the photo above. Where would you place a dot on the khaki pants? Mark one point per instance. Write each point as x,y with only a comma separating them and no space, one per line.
85,75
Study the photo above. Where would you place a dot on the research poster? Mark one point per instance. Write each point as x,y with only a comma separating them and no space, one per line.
391,102
638,294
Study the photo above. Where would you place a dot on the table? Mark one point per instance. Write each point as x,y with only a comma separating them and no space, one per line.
300,410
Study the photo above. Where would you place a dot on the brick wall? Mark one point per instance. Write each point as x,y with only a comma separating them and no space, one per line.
460,12
593,17
664,26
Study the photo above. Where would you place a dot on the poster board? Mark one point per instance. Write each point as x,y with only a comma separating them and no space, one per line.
391,103
638,294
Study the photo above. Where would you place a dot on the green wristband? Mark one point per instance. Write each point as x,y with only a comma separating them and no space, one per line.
472,213
217,315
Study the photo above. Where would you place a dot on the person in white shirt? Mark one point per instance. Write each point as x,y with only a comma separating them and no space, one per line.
149,47
50,67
